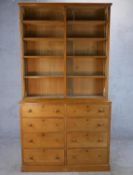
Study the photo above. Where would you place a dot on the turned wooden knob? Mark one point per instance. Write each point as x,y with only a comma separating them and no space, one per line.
57,124
57,157
30,125
43,134
30,110
31,158
99,124
31,141
101,110
57,111
99,140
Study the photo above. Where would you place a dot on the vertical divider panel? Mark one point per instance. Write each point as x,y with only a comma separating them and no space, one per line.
65,83
107,13
65,52
21,13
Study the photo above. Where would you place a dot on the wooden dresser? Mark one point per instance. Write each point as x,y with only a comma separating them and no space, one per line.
65,112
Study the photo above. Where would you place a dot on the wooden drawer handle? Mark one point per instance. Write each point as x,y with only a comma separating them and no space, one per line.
30,110
31,158
31,141
43,134
57,157
57,111
99,140
99,124
30,125
101,110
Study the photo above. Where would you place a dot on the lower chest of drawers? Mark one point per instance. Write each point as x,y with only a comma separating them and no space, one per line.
65,135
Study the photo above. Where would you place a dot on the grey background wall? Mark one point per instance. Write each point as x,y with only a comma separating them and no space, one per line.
121,67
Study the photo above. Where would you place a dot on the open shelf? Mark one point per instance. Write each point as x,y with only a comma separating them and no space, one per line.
41,13
48,86
86,86
48,47
44,29
84,66
44,66
85,48
86,13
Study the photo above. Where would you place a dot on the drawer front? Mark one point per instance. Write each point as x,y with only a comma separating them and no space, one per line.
42,110
44,156
43,140
87,156
85,124
87,110
43,125
87,139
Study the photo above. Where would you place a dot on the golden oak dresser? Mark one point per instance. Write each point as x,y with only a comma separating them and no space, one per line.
65,112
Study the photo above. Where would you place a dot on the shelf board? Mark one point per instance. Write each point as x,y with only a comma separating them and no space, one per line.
44,96
93,56
61,39
44,22
86,96
42,56
85,39
44,76
86,22
72,56
43,39
32,97
86,76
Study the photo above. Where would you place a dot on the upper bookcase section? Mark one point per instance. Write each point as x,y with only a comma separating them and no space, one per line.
65,49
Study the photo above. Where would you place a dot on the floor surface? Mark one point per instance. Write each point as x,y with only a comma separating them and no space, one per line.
121,159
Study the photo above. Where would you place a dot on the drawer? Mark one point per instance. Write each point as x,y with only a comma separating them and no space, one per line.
44,156
42,110
87,156
87,124
80,110
43,140
87,139
43,125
